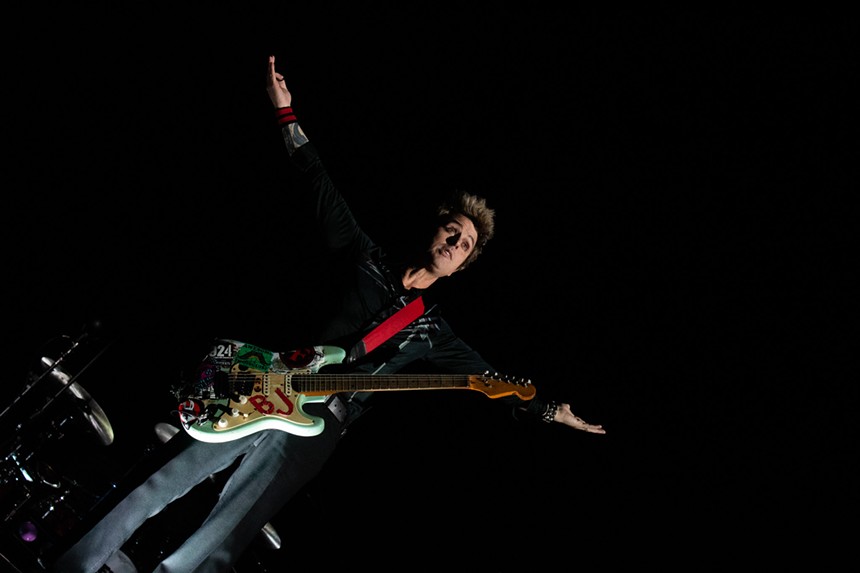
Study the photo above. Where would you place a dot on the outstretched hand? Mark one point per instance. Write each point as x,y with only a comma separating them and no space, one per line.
276,87
568,418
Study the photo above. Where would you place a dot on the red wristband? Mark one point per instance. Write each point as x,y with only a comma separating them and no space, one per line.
285,115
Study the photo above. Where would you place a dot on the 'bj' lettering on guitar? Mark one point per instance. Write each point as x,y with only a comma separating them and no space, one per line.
264,406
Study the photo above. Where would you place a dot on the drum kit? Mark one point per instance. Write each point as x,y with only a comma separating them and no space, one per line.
50,431
41,502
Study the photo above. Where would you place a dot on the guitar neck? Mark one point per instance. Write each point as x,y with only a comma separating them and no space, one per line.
245,382
322,384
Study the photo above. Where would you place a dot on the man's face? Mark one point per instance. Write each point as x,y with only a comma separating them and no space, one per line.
452,244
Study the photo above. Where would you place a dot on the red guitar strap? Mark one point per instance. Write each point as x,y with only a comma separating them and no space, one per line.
388,328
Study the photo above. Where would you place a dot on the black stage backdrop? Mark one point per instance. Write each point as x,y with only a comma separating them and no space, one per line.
670,259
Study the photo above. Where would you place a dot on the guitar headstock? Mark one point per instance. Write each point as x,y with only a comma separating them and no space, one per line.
497,386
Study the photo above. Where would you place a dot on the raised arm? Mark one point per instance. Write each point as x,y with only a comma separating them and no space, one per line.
334,217
282,99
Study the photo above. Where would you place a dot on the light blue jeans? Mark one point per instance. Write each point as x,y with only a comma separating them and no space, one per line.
275,466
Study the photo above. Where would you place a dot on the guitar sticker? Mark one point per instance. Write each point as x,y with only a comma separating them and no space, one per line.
254,357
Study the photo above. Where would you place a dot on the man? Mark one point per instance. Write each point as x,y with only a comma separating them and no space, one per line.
369,288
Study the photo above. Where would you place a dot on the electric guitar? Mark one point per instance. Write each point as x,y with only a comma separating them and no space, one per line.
242,389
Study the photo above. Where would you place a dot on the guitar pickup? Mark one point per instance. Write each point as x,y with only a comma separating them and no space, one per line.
242,381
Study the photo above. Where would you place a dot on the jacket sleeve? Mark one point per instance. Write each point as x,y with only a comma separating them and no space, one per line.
333,216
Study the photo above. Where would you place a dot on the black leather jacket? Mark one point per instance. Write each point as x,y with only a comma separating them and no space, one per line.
366,289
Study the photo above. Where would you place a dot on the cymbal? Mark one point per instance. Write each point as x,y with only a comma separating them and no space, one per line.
84,404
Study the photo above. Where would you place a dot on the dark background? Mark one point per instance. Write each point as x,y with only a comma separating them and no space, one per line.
670,256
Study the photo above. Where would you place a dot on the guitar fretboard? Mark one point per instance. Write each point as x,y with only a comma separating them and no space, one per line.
319,384
331,383
245,383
